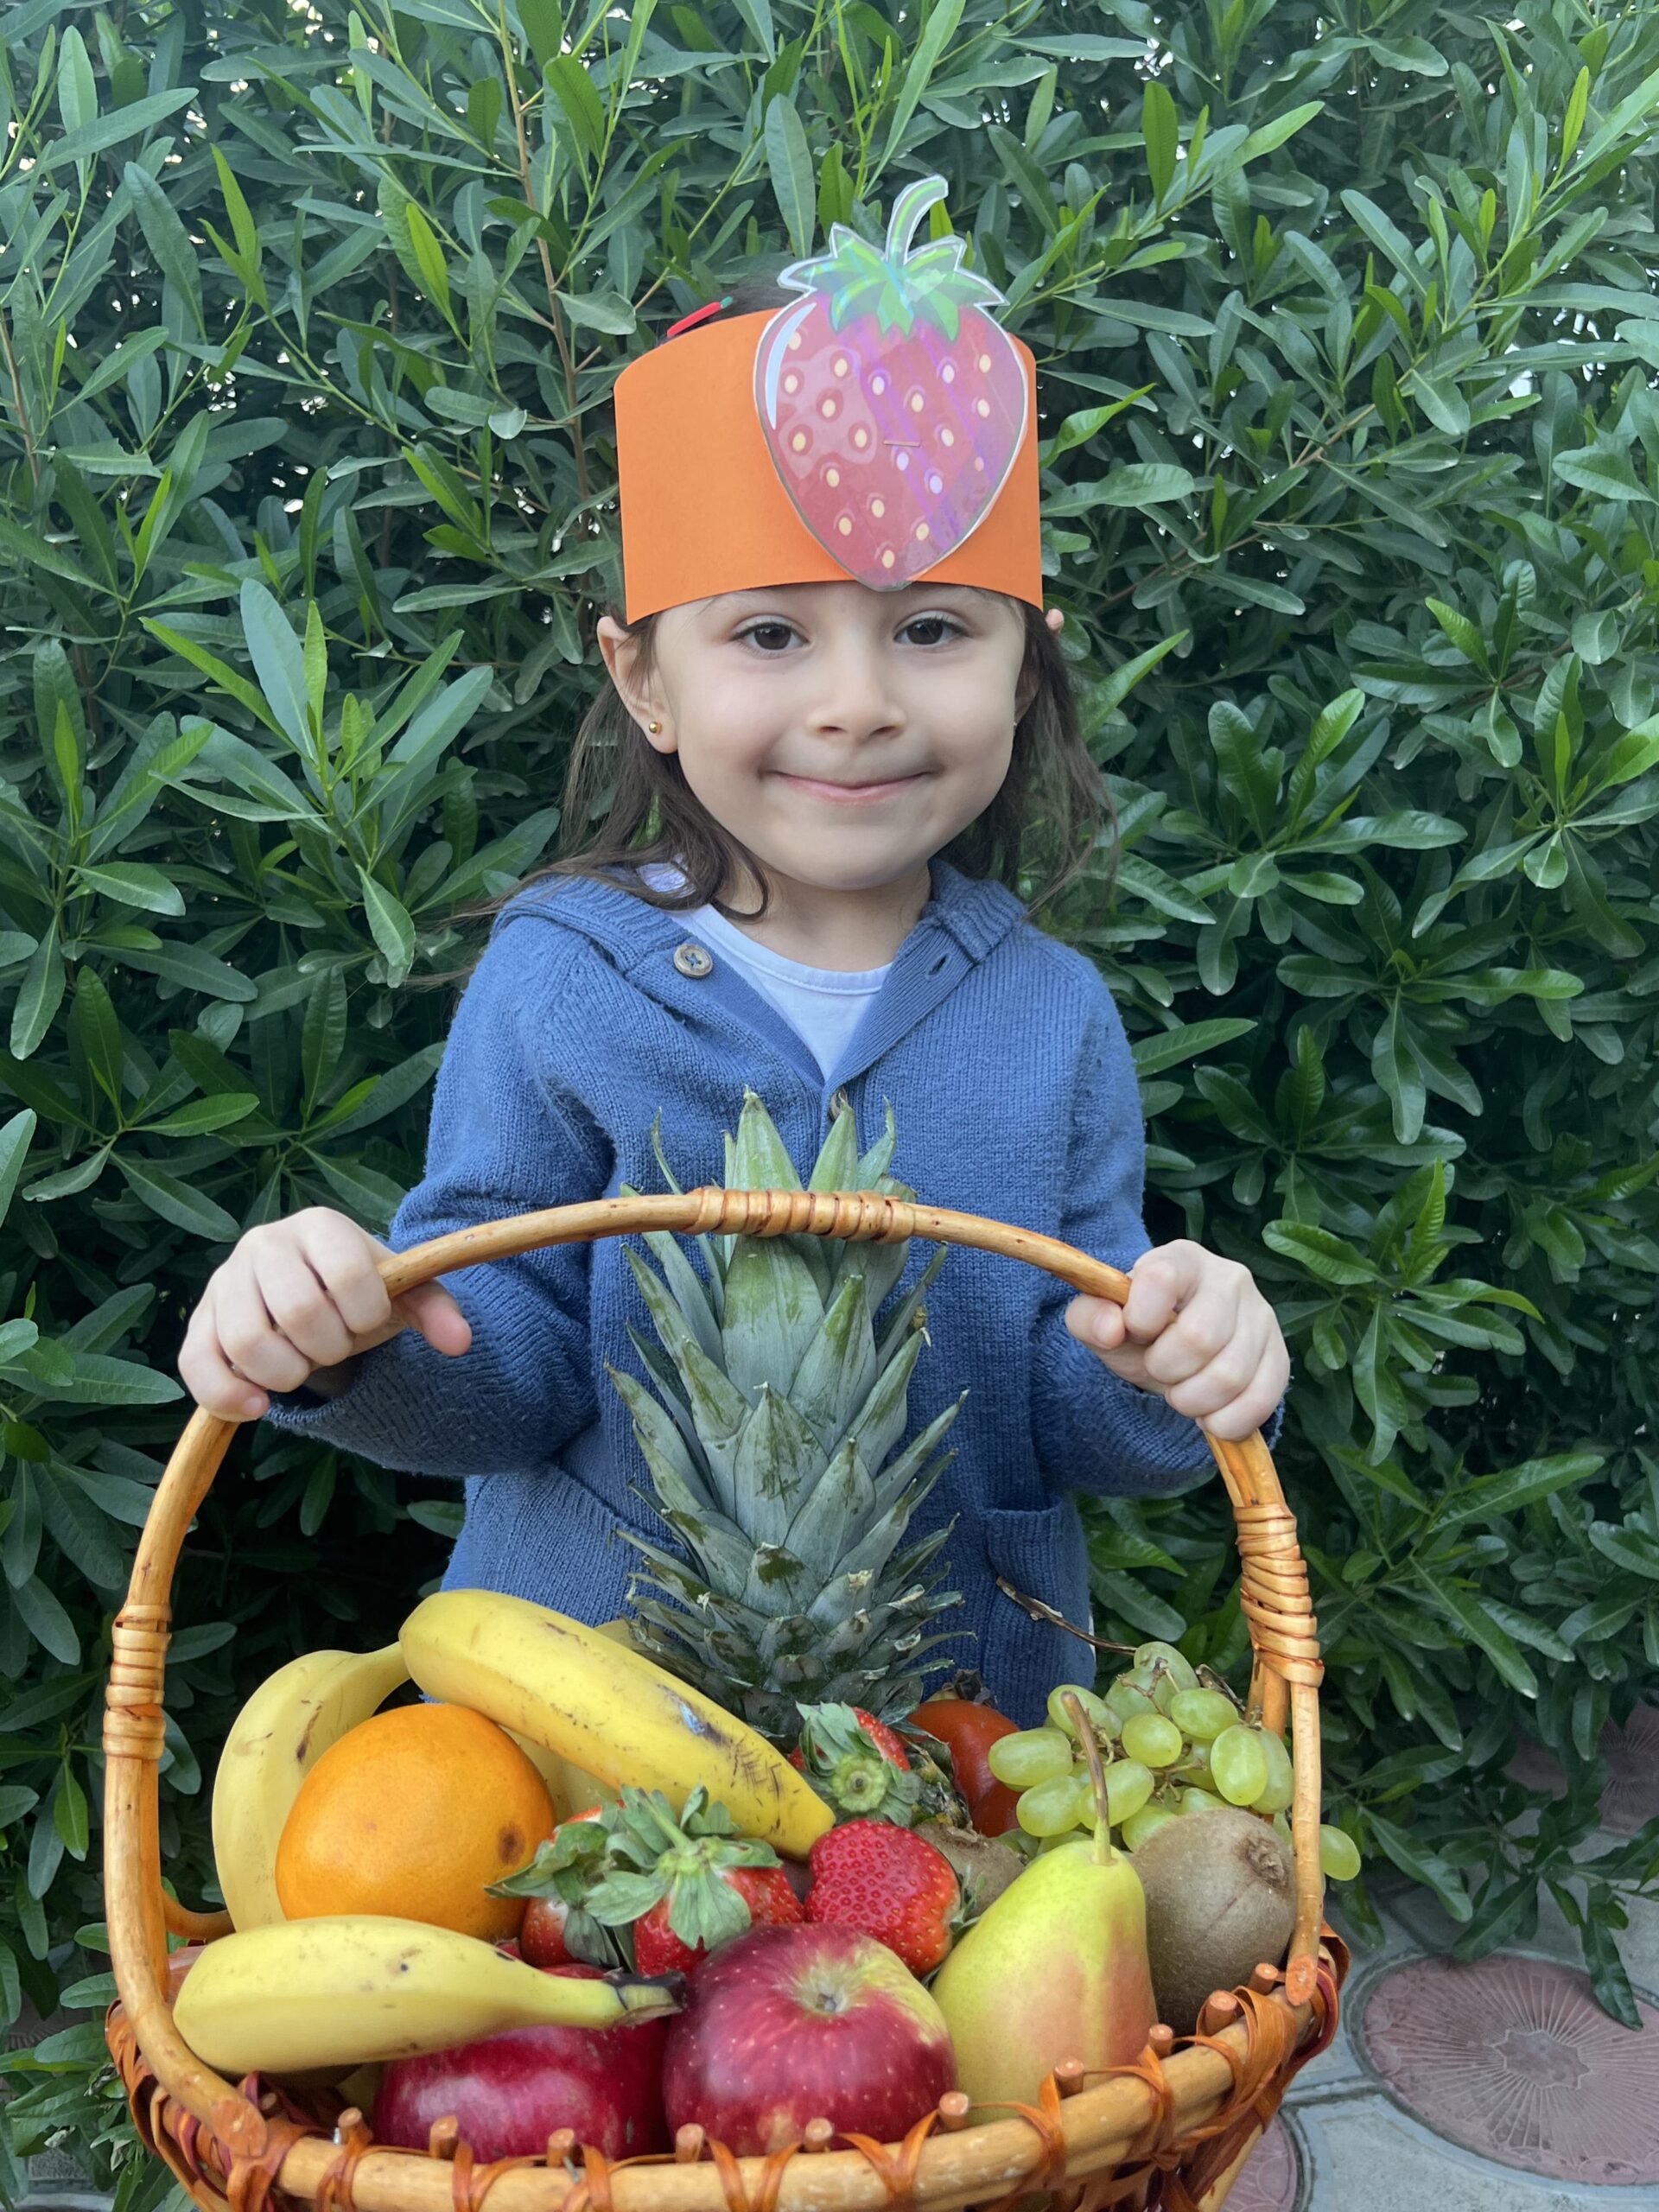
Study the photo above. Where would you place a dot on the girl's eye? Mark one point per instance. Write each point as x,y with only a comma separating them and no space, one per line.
775,628
757,631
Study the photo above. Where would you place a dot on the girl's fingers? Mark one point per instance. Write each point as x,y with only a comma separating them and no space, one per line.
302,1310
433,1313
1161,1282
1254,1408
1200,1332
1096,1322
260,1355
236,1315
1233,1371
342,1258
206,1373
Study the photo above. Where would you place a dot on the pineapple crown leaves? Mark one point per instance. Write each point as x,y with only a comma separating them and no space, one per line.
765,1413
651,1855
896,285
854,1776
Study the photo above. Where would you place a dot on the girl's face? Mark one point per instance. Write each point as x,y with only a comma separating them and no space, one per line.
845,735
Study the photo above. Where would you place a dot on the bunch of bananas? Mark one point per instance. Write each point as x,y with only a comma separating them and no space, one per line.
591,1713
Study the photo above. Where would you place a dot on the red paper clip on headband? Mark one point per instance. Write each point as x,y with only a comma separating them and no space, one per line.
881,430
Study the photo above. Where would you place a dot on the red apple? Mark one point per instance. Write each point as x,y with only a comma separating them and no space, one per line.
789,2024
511,2091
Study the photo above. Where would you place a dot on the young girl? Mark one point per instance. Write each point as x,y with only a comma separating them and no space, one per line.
822,786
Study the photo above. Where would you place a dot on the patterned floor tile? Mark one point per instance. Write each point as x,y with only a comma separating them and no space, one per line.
1631,1798
1272,2179
1513,2059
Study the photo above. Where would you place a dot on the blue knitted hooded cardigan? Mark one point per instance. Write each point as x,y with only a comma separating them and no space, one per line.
1015,1096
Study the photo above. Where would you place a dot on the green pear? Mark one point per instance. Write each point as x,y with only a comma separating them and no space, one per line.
1056,1969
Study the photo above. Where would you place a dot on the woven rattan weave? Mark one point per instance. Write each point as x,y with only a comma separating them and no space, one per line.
1170,2131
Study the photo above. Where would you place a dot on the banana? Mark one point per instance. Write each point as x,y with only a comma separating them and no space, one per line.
347,1989
277,1737
570,1789
606,1709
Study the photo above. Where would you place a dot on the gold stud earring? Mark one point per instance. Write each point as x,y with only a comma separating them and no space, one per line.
653,728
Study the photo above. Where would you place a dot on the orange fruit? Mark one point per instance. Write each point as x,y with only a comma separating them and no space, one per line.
413,1813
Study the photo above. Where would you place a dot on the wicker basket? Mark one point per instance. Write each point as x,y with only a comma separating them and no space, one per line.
1170,2131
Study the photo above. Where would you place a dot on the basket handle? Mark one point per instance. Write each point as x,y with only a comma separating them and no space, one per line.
1273,1590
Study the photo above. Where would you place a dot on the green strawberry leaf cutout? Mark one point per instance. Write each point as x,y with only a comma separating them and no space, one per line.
893,404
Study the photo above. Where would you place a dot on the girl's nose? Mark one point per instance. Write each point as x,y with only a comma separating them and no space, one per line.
859,693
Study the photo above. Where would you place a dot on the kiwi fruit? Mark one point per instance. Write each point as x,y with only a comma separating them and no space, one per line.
1221,1900
985,1866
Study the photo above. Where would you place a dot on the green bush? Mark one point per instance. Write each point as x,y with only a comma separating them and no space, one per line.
1351,466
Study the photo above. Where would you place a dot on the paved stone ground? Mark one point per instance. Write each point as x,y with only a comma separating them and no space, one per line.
1496,2088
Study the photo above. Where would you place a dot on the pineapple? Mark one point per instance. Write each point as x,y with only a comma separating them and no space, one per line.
779,1406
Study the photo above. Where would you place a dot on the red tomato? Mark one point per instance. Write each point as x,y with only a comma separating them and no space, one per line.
968,1731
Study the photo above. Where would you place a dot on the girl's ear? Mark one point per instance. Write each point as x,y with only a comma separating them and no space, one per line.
620,653
1025,690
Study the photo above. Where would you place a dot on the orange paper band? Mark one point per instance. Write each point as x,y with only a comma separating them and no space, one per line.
704,510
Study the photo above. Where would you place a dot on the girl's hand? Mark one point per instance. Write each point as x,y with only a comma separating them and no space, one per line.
297,1295
1195,1329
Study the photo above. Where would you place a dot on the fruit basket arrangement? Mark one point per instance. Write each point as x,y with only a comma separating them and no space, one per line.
733,1914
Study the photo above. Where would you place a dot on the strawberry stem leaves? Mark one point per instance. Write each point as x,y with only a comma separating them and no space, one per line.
650,1856
895,285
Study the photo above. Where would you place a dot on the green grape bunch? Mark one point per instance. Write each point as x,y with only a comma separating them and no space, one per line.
1173,1741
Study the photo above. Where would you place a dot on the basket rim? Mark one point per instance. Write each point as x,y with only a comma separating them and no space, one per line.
1212,2093
1275,1597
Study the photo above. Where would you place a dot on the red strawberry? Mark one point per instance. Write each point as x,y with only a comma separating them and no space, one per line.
856,1765
891,403
765,1889
882,1737
877,1731
890,1883
541,1938
557,1928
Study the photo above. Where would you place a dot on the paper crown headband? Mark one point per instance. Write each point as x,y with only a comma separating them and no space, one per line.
881,430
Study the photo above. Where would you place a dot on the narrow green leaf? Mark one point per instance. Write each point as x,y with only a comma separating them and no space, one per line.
39,995
757,14
607,312
1384,234
940,29
14,1137
134,884
390,926
109,131
789,159
197,971
279,661
429,257
99,1032
1160,133
165,236
1167,1048
175,1202
203,1117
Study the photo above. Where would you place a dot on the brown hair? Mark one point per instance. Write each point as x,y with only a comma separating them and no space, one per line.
1046,818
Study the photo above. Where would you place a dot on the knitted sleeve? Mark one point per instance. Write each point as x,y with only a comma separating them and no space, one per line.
1092,1430
505,1138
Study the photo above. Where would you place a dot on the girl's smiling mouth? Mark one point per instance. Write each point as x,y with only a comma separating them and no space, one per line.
849,794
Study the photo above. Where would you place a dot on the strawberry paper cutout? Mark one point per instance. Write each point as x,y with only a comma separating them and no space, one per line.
891,403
